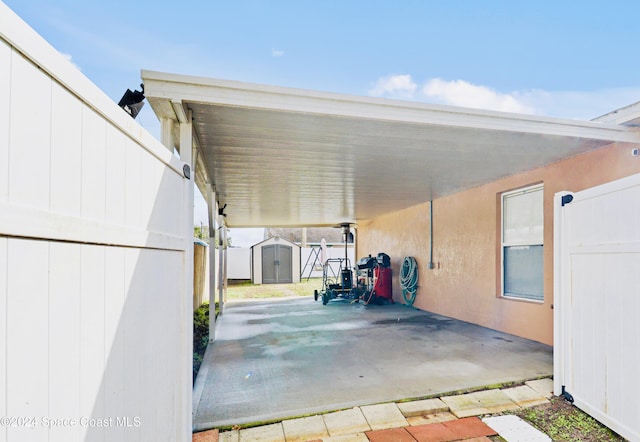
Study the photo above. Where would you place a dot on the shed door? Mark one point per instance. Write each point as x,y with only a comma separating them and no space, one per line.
276,264
597,302
285,269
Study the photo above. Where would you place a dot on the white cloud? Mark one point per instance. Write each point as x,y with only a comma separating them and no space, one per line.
580,105
394,86
465,94
70,60
277,52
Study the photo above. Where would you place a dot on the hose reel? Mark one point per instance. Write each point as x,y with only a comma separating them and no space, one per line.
409,279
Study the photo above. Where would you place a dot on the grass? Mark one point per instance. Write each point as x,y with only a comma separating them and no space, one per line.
246,290
561,421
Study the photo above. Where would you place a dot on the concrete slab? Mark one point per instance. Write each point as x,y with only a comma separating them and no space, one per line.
346,422
265,433
383,416
542,386
481,402
464,405
512,428
423,407
343,355
304,429
229,436
525,396
496,401
430,418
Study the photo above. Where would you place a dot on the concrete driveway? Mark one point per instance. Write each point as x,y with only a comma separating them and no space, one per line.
282,358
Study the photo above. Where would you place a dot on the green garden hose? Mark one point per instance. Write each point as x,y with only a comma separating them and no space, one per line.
409,279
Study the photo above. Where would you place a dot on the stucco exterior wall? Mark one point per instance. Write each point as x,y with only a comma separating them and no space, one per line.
466,281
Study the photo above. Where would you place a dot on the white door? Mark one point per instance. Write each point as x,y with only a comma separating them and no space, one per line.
597,302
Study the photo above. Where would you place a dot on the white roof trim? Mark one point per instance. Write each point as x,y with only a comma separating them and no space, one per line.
234,93
291,157
628,116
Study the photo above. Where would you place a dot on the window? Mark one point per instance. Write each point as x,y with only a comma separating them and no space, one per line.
522,242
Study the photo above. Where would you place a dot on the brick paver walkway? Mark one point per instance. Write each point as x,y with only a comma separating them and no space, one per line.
448,419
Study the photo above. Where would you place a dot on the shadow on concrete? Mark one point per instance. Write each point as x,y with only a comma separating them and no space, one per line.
277,359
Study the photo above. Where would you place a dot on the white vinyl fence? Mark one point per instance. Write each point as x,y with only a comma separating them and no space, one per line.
597,302
239,261
94,342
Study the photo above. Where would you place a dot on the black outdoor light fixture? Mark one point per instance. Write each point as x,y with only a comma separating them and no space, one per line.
132,102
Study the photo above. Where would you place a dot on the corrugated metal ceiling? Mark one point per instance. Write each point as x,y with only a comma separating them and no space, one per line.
286,157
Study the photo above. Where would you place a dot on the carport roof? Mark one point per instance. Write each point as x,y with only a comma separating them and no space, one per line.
290,157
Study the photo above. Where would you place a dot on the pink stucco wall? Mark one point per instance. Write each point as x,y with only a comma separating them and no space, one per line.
465,283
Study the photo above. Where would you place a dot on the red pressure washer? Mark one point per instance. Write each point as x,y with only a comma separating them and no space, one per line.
374,279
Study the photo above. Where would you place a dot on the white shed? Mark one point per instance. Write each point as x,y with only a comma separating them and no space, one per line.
275,261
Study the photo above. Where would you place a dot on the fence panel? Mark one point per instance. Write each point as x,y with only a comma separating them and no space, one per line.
598,303
93,252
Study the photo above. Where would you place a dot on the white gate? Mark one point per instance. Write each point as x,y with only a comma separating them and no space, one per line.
597,302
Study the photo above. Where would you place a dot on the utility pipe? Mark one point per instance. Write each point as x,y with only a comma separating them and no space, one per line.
431,266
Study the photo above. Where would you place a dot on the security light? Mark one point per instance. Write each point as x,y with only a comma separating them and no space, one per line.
132,102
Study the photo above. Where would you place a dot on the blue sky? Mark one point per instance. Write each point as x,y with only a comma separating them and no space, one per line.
558,58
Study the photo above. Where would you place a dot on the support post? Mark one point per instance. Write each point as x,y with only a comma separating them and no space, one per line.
186,139
211,211
225,262
166,135
221,280
561,289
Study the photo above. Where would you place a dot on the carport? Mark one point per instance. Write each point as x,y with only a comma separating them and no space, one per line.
273,156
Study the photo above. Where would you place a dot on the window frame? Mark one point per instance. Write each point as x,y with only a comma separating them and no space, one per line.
522,191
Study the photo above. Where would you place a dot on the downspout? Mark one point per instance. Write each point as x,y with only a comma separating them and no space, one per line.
431,266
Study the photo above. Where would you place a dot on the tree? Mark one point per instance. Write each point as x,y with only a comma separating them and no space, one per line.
202,232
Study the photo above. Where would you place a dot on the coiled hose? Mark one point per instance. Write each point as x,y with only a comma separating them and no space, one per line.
409,279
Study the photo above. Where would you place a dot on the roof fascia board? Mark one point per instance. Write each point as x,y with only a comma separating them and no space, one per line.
238,94
621,116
